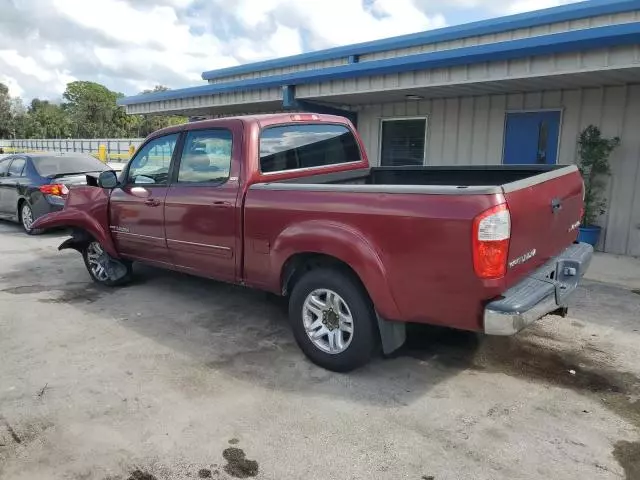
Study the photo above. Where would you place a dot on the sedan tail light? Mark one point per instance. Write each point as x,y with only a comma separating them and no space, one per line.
491,235
55,189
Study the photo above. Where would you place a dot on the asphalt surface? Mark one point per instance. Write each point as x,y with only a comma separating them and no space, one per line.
175,377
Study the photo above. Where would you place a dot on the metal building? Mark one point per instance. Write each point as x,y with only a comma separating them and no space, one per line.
516,89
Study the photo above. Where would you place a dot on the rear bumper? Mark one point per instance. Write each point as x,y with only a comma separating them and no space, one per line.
545,291
42,206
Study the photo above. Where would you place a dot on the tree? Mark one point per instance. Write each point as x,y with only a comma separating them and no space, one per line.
6,116
89,110
92,108
20,118
593,163
47,120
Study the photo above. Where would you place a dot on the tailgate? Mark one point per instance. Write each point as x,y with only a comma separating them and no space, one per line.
545,216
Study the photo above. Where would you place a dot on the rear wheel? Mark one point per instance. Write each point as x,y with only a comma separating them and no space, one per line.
26,219
103,268
332,320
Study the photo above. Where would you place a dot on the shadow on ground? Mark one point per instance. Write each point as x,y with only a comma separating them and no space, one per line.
245,334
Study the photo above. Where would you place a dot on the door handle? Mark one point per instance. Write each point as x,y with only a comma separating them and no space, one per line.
152,202
220,203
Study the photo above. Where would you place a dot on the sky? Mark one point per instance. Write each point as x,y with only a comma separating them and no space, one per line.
132,45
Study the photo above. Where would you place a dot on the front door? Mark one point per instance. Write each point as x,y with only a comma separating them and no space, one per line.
201,210
137,208
532,138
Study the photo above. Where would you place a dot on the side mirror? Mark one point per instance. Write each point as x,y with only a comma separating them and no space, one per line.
108,179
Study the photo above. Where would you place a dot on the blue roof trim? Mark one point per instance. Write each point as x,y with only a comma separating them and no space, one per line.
586,39
563,13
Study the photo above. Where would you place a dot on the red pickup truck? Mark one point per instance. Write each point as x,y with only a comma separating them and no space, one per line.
287,203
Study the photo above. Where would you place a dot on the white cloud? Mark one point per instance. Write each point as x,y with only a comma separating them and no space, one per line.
521,6
320,20
497,7
12,84
131,45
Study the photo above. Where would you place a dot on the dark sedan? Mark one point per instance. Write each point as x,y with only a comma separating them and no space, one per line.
33,184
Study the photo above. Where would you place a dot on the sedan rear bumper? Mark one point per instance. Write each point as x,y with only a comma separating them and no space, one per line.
545,291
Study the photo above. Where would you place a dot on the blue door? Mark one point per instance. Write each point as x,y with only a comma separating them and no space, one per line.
532,138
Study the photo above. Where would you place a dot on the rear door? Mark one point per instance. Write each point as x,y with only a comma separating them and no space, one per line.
137,208
545,217
201,206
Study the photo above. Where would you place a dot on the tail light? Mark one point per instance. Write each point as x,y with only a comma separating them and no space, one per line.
491,235
55,189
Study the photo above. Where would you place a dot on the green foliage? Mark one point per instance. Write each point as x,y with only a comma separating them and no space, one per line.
6,117
92,109
88,110
593,162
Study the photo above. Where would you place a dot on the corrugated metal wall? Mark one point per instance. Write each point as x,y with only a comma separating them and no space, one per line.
470,130
591,22
204,102
613,61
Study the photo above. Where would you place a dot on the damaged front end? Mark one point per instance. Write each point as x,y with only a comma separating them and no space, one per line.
86,214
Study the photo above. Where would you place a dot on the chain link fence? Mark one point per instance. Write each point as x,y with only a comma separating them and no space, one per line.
106,149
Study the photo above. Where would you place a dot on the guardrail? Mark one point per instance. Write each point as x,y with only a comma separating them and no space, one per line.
106,150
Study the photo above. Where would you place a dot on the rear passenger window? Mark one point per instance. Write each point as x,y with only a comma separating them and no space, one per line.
16,168
206,157
290,147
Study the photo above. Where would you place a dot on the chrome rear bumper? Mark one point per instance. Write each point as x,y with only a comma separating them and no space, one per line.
545,291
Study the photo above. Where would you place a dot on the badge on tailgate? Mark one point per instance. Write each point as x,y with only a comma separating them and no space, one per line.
523,258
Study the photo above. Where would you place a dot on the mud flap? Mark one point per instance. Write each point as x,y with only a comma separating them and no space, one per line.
70,244
392,335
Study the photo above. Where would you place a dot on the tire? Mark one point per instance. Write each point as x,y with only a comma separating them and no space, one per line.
26,219
96,260
346,351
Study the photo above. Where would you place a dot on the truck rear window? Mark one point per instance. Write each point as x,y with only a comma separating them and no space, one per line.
291,147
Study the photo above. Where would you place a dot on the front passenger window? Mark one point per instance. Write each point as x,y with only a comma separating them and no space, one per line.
151,164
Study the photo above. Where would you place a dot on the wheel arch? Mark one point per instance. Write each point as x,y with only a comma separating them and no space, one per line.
21,201
80,220
392,335
310,243
302,262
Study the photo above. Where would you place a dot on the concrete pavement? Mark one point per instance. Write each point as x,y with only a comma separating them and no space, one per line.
175,377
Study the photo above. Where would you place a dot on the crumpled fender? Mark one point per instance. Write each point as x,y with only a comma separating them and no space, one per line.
86,208
344,243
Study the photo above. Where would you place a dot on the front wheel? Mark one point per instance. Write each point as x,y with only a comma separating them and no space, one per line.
103,268
332,320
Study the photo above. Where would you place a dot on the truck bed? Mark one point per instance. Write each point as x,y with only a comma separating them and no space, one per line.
420,221
485,179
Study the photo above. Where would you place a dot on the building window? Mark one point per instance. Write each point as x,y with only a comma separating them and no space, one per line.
403,142
292,147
